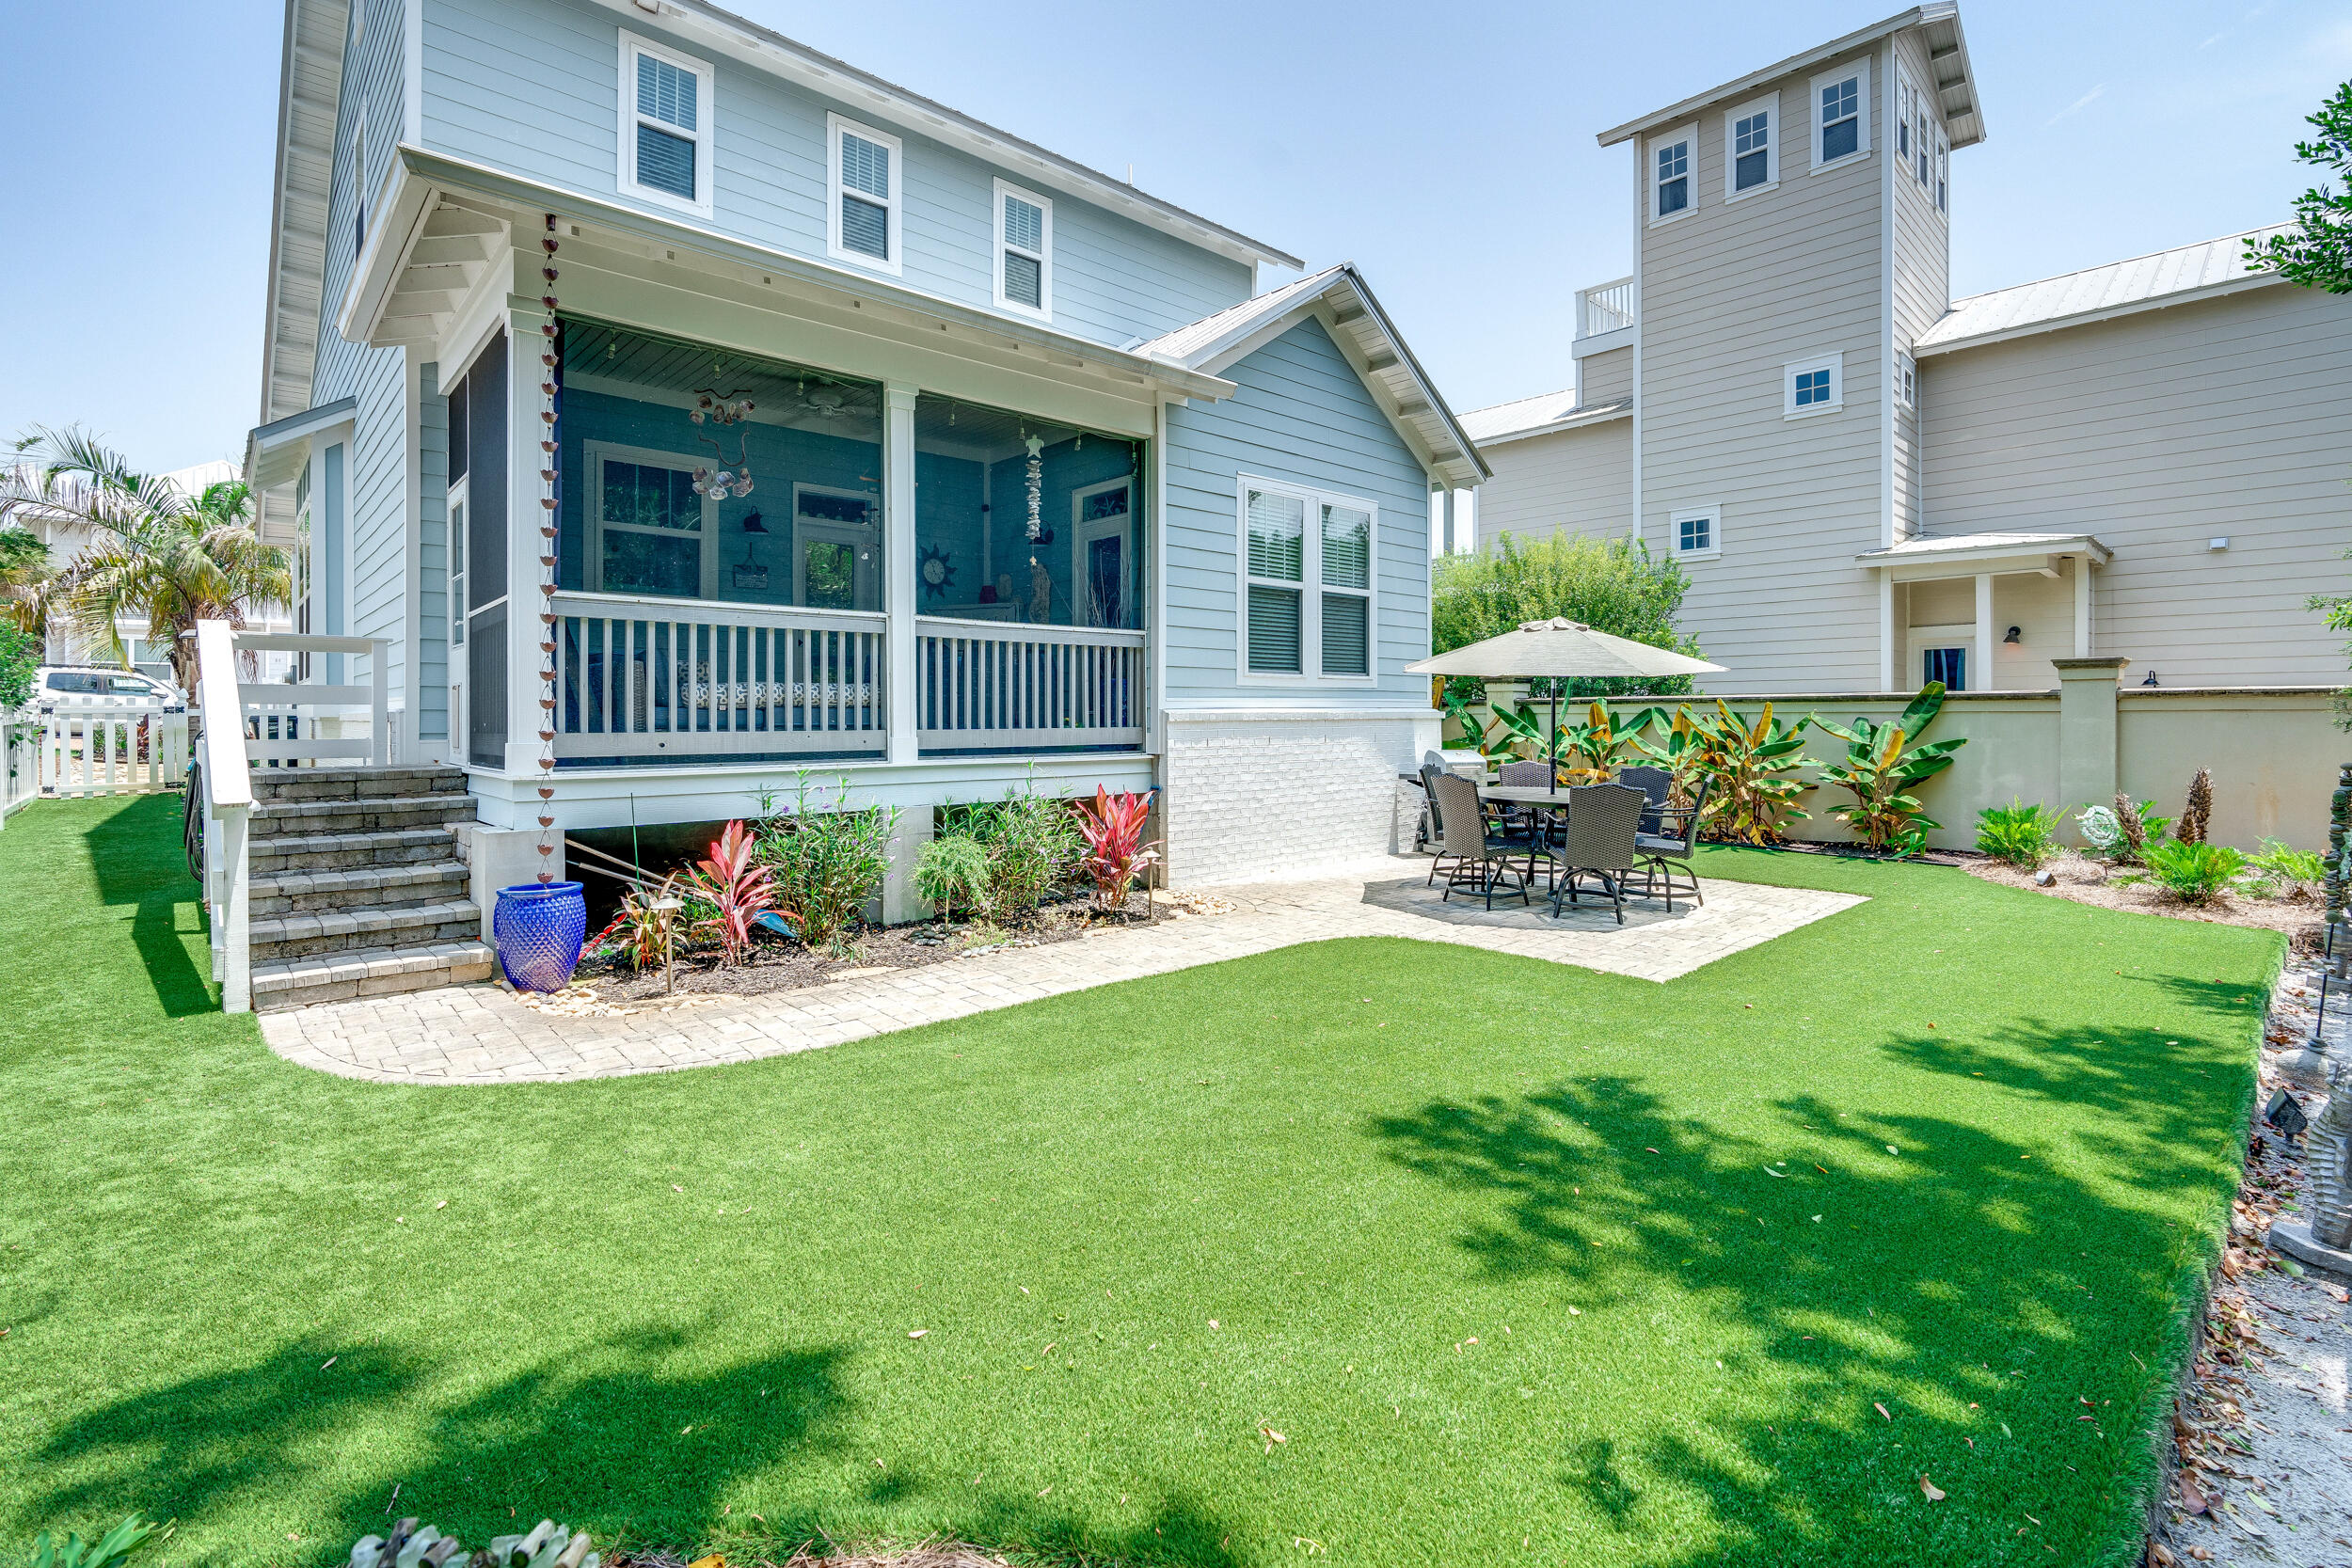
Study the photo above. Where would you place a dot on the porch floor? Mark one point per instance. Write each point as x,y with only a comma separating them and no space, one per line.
482,1034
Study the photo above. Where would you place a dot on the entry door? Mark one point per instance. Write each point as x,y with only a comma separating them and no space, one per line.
1102,566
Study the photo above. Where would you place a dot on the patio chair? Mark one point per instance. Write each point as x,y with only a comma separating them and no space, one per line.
1669,848
1527,821
1481,859
1657,784
1603,822
1433,818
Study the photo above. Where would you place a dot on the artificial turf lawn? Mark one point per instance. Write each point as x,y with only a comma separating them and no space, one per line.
1495,1244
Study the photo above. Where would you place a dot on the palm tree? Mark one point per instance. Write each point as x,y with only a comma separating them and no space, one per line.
161,555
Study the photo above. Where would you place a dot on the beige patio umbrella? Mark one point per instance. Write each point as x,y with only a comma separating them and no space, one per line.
1560,649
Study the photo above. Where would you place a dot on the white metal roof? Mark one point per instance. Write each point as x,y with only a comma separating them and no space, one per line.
1538,416
1984,548
1234,322
2095,294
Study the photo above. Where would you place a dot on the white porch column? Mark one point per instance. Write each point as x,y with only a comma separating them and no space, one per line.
897,566
2082,606
1440,520
524,430
1888,658
1982,679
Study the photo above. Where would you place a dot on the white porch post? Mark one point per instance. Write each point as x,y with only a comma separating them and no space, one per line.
1982,681
524,604
898,566
2082,606
1887,658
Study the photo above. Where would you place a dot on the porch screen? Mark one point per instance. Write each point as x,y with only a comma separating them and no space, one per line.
478,456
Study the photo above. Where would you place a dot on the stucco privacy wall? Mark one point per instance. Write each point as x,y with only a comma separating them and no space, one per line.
2273,756
1252,795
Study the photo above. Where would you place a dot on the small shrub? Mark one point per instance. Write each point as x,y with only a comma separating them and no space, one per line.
2196,814
2287,869
827,864
1032,844
108,1551
739,887
2017,832
2194,873
953,873
20,656
650,935
1112,826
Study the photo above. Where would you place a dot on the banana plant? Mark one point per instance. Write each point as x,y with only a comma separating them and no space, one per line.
1495,741
1603,741
1880,769
1677,749
1748,767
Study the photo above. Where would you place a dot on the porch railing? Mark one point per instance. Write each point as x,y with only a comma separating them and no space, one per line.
651,677
981,684
1604,308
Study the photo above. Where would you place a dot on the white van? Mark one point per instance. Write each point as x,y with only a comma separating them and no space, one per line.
85,686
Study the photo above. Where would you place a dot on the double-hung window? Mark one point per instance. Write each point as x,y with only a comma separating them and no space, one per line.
1307,596
1024,251
1942,171
1842,113
1750,163
666,111
1812,387
1906,379
1672,180
869,170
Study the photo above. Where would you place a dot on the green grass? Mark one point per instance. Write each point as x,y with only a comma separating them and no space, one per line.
1492,1242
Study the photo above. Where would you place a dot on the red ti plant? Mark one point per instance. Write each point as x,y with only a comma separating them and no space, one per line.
1115,853
734,879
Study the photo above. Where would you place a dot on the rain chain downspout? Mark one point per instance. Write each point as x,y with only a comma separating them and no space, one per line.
551,388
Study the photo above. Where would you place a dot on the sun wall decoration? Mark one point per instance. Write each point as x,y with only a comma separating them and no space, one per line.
938,571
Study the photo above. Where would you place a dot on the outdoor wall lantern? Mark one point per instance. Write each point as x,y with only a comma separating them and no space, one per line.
2016,636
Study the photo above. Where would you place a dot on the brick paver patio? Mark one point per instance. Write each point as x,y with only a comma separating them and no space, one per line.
480,1034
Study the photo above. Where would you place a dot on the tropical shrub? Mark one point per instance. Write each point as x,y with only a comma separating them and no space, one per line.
827,862
108,1551
1748,768
2196,814
2279,861
953,873
1880,771
1611,585
548,1545
1033,848
1112,826
1604,743
2018,834
20,656
2194,873
648,935
1677,749
738,886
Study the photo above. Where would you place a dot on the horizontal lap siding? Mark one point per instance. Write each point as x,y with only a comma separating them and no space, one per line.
1301,415
2158,432
1922,280
1576,482
1729,295
533,85
1604,377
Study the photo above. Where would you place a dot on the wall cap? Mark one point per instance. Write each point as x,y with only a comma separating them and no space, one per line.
2083,667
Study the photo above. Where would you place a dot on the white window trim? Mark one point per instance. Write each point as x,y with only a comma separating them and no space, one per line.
1834,364
705,125
1044,309
1714,518
1861,67
455,552
359,180
896,265
592,457
1082,532
1310,585
1770,105
1688,133
1906,381
1943,192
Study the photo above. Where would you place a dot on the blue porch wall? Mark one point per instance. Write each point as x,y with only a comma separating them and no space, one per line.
1301,415
534,86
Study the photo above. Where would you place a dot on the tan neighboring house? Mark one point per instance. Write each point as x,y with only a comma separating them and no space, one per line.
1872,485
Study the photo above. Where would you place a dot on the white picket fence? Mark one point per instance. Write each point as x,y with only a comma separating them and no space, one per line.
84,751
20,770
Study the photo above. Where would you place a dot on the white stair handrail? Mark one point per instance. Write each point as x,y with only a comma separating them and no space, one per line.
228,803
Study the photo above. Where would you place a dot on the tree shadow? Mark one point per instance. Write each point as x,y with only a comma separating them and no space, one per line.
1965,1281
136,859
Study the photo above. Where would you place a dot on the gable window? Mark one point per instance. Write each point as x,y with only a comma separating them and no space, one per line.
1948,665
1750,163
1307,583
1906,381
1696,533
869,194
1813,386
666,109
1670,176
1024,251
1841,127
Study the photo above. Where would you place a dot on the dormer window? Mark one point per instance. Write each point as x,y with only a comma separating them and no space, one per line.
665,126
1750,163
1670,175
868,195
1841,126
1024,251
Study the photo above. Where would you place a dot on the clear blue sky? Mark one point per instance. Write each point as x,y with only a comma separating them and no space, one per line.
1449,151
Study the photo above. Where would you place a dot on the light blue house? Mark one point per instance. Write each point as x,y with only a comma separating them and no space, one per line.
683,406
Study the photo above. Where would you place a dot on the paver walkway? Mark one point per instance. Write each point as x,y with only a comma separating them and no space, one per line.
483,1034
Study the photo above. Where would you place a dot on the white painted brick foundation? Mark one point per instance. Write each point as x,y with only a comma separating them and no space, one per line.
1252,793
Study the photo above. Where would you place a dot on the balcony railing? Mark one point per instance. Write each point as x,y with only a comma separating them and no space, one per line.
641,677
982,686
1604,308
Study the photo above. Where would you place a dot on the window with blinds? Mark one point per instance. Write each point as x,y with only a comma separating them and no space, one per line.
1307,603
1024,246
665,132
867,185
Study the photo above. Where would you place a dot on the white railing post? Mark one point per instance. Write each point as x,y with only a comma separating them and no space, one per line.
228,790
379,724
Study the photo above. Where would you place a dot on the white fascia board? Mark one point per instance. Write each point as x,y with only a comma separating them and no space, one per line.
400,207
764,50
1926,348
438,172
1794,65
1601,342
1605,413
275,453
1965,560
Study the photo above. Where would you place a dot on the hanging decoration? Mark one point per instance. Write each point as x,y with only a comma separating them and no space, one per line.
550,445
1036,485
728,407
937,570
721,483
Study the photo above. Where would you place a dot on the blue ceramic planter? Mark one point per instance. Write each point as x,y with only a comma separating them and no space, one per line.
539,928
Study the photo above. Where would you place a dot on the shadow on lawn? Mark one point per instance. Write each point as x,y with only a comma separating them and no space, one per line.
1966,1282
620,1438
135,855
